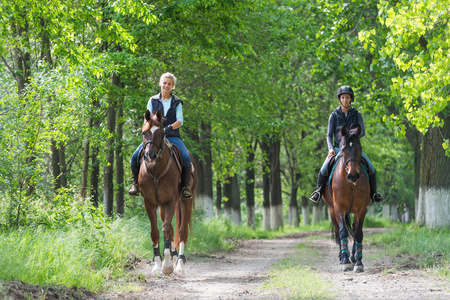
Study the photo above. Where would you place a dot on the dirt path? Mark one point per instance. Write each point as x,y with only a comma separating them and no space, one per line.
240,274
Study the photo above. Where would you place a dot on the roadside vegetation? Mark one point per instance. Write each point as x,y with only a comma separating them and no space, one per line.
90,249
421,247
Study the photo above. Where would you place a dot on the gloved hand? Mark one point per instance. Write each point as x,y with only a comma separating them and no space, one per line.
167,129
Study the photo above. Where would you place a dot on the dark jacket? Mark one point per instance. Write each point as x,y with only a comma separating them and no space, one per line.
338,119
171,116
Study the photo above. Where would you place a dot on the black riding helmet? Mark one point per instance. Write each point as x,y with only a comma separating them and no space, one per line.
345,90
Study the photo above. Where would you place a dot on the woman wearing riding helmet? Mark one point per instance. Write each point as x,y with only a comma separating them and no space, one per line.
344,115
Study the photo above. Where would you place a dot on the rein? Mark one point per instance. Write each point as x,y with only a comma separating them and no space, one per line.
156,177
351,199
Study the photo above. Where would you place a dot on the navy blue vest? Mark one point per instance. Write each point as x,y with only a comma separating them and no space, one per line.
350,121
171,116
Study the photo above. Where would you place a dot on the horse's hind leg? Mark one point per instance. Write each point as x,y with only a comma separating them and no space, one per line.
184,212
169,211
357,246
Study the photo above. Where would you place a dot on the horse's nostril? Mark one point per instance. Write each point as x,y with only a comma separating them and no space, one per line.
352,177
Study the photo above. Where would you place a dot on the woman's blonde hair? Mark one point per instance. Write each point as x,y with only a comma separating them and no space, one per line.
169,75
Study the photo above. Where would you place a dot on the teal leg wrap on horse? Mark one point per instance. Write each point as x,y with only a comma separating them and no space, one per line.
359,248
344,247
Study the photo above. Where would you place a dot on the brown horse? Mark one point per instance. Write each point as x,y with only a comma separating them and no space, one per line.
350,193
159,184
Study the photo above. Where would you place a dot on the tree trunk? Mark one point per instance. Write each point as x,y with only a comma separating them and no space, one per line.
236,203
227,197
276,203
205,194
305,211
55,165
120,195
62,165
85,167
266,185
218,198
95,174
294,218
232,207
434,194
108,169
316,214
250,188
414,138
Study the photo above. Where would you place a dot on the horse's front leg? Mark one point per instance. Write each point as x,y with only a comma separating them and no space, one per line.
357,246
169,211
154,233
344,253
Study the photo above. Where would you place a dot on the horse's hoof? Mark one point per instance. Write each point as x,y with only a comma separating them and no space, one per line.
358,269
346,267
158,265
180,268
168,270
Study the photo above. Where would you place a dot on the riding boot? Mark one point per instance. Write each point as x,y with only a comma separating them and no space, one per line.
134,190
317,194
374,196
185,180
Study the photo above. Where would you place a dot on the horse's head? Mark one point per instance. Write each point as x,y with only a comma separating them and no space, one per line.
351,150
153,137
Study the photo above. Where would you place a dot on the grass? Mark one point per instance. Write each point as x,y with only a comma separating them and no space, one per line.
74,256
295,280
91,250
429,248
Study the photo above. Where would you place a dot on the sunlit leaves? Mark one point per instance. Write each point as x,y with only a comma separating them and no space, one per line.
417,41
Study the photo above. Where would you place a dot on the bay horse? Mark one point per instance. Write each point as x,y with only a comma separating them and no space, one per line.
350,193
159,184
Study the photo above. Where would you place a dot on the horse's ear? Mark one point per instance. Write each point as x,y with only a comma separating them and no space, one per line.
158,115
344,131
147,115
358,130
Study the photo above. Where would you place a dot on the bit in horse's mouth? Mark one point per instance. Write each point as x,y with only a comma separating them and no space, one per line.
150,163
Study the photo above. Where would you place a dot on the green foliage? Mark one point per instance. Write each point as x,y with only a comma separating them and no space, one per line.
413,42
429,248
82,254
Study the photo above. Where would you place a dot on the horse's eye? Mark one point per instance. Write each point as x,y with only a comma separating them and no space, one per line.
143,132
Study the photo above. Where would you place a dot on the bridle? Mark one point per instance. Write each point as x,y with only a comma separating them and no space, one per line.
161,149
351,199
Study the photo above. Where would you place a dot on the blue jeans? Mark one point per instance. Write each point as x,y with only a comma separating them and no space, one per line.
174,140
324,170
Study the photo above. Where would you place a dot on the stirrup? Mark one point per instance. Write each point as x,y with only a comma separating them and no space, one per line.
186,192
313,199
377,198
134,190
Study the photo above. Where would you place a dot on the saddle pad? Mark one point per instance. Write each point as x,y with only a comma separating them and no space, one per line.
363,165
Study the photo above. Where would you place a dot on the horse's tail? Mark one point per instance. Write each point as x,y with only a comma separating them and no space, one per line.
348,225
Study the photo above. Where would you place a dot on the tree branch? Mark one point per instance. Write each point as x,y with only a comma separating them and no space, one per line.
9,68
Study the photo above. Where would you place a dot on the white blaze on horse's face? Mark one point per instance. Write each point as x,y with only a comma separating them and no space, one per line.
153,129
